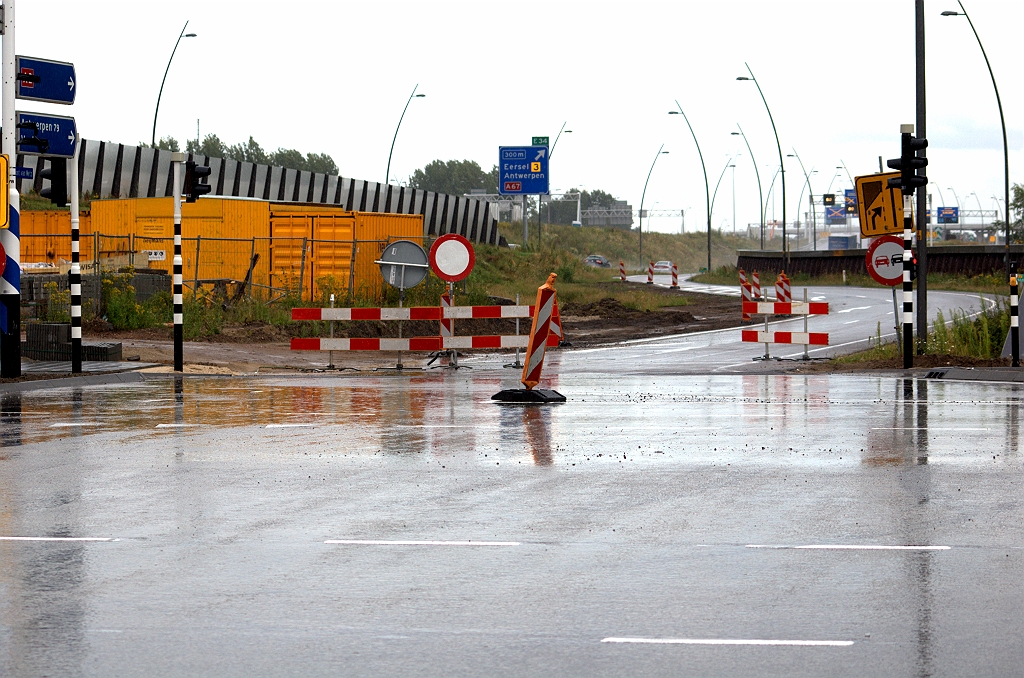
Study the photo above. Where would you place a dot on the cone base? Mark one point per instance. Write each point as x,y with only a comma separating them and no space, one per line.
522,395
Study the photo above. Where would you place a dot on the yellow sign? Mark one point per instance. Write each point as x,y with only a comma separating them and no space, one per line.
534,166
880,207
5,192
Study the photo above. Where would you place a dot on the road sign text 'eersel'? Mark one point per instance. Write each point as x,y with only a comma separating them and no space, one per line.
523,170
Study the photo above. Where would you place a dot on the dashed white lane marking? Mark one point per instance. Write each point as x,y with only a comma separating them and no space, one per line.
853,547
850,322
923,428
418,542
58,539
72,424
729,641
176,425
288,425
855,308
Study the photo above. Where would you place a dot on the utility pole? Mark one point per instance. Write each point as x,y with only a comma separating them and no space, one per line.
922,191
10,284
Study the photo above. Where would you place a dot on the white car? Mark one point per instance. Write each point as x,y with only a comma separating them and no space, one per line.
663,267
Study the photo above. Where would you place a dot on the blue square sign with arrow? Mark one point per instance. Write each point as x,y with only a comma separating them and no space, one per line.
45,80
523,170
50,135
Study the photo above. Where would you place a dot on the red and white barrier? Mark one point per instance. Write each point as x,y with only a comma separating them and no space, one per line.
785,308
413,313
783,291
746,291
622,270
675,276
650,273
755,284
539,334
805,338
447,324
428,344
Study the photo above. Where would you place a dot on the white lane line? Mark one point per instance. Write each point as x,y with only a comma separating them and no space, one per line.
418,542
58,539
289,425
855,308
922,428
729,641
850,322
852,547
71,424
175,425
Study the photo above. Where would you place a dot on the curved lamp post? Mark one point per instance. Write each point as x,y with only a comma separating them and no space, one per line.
807,184
939,189
782,165
1002,121
387,176
707,193
757,174
728,164
183,34
557,137
644,195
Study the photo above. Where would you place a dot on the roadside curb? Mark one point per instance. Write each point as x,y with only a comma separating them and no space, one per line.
66,382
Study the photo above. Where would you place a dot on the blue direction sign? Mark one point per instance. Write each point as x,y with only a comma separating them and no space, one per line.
23,172
52,135
949,215
523,169
45,80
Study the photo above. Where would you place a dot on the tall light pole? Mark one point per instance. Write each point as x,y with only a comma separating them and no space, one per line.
387,176
937,188
707,193
807,178
183,34
733,198
1002,121
728,164
757,174
782,164
644,195
557,137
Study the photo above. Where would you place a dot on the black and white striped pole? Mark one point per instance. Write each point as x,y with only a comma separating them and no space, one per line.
908,285
76,272
1014,326
176,160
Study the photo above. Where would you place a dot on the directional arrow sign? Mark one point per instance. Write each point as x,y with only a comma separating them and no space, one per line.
523,169
51,135
45,80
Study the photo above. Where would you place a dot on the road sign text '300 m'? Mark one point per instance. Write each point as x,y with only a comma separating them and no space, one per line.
523,169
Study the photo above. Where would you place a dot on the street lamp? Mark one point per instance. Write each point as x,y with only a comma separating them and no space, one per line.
937,188
760,195
644,195
782,165
1002,121
707,193
387,176
183,34
807,177
557,137
728,164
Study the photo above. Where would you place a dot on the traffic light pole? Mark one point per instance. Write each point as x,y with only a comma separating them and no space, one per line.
922,191
176,160
76,272
908,285
10,283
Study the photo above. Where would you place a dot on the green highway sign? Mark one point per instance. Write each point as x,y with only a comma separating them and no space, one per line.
540,141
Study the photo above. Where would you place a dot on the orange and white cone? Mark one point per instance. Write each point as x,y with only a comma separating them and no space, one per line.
622,270
747,296
539,333
555,334
650,273
756,285
783,291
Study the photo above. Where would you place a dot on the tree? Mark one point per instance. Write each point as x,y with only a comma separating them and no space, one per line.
212,147
1017,225
165,144
456,177
563,210
321,162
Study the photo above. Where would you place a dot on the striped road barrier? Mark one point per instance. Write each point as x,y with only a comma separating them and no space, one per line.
675,276
650,273
785,308
413,313
783,290
755,284
767,308
805,338
427,344
622,270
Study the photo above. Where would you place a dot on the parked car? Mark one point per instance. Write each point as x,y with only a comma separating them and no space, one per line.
663,267
597,261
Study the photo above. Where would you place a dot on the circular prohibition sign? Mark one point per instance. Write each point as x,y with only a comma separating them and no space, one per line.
884,260
452,257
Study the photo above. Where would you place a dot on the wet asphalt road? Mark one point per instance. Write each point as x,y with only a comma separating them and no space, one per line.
665,509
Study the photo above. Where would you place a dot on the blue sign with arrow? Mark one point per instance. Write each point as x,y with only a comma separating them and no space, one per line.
45,80
50,135
523,170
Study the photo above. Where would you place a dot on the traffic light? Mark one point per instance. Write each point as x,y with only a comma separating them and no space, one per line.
195,181
829,198
913,265
57,173
908,163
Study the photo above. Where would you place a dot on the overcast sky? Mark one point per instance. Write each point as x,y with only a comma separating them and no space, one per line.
333,77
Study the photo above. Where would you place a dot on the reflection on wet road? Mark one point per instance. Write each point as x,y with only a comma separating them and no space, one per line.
740,525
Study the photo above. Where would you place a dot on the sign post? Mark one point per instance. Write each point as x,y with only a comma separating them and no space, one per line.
176,161
10,281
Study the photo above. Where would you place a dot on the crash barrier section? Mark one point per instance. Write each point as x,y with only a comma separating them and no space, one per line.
650,273
438,343
768,308
622,270
675,276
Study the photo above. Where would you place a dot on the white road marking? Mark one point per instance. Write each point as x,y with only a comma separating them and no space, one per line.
72,424
175,425
855,308
850,322
418,542
58,539
852,547
729,641
288,425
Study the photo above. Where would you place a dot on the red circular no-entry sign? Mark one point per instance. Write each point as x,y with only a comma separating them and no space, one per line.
452,257
885,260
